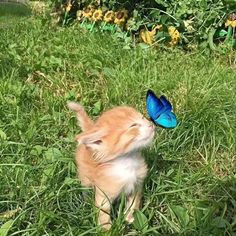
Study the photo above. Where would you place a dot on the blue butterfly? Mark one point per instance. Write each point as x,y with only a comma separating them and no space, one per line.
159,110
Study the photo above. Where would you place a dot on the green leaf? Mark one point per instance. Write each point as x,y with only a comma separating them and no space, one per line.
160,36
37,150
47,173
70,181
127,47
181,214
109,72
223,33
154,13
144,46
219,222
140,221
53,154
164,19
55,61
161,2
97,107
71,95
135,13
6,227
3,136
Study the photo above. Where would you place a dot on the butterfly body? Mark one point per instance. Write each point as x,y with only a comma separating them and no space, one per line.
159,110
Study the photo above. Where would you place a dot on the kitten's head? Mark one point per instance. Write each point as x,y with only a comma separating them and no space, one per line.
117,132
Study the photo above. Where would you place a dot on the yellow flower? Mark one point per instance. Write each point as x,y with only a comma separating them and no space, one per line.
79,15
227,23
148,36
230,22
125,12
68,7
174,34
109,16
157,27
97,15
88,11
120,17
174,42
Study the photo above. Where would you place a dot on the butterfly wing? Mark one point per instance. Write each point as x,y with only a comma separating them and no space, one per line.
166,103
166,120
154,105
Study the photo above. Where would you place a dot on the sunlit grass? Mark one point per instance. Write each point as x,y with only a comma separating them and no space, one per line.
190,189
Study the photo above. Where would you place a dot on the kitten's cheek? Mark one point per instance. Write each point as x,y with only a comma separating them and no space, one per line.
152,133
153,129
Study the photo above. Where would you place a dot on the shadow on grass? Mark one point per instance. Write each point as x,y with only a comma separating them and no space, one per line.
13,10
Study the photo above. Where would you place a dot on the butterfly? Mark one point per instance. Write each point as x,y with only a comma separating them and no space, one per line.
159,110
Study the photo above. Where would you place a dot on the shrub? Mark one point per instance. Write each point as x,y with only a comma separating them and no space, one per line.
191,21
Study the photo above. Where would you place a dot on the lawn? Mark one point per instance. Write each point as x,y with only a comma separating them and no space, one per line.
11,13
191,186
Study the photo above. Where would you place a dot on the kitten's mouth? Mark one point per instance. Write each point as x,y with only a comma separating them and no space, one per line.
152,127
150,135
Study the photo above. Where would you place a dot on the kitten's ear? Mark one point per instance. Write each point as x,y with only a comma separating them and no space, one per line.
91,139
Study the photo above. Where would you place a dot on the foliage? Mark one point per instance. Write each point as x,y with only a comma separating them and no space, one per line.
194,20
190,189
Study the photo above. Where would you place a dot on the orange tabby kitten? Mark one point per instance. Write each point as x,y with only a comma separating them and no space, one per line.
109,156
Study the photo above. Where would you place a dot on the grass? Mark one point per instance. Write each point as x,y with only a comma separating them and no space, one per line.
11,12
191,186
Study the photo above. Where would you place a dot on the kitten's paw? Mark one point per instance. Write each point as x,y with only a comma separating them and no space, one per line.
129,218
106,226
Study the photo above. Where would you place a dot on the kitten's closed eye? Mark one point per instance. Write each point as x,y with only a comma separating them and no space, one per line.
134,125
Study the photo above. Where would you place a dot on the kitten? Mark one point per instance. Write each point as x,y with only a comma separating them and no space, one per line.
109,156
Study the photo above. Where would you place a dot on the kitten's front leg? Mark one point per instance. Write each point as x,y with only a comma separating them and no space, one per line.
133,203
103,203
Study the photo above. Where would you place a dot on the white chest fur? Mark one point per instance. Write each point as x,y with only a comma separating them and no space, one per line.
128,170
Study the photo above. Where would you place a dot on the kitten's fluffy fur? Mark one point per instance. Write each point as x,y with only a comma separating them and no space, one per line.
108,156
